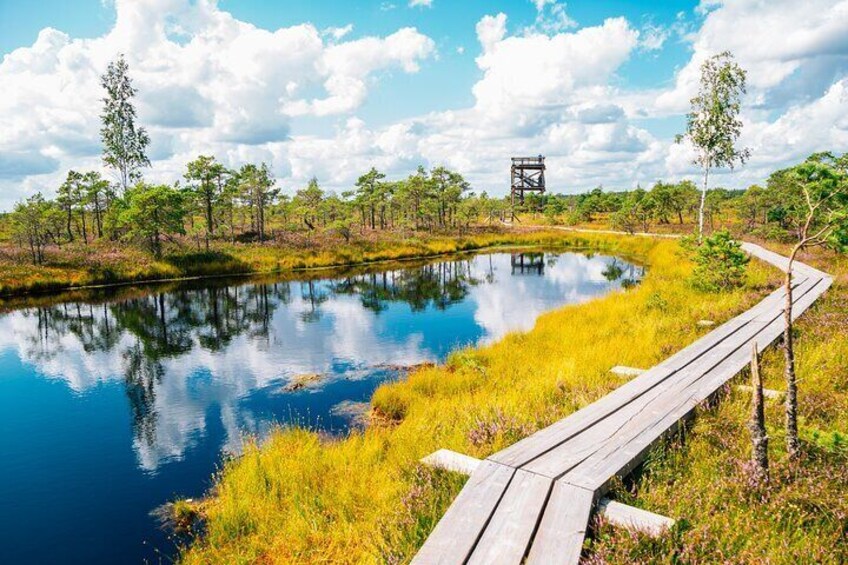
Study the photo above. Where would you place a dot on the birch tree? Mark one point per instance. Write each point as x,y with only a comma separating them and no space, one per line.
124,144
713,125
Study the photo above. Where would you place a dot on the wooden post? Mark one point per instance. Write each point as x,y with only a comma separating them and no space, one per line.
757,425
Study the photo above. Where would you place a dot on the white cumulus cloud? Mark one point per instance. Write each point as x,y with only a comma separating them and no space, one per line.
206,81
210,83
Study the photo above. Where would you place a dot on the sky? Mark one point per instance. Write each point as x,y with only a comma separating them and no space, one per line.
330,88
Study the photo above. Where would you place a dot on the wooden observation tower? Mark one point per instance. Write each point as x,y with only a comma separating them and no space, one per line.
528,175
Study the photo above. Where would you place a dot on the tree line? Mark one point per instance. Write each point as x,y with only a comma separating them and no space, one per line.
213,202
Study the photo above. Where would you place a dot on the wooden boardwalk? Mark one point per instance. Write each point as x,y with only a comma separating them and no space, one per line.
533,500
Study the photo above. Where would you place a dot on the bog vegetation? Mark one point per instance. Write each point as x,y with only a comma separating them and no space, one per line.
364,498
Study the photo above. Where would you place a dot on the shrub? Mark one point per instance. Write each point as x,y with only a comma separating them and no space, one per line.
720,263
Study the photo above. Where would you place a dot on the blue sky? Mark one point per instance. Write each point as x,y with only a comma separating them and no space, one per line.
326,88
440,85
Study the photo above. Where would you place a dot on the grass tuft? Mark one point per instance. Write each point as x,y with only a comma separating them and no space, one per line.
365,498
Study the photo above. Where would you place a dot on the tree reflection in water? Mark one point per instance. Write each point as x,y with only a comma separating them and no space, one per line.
149,329
153,334
439,284
528,263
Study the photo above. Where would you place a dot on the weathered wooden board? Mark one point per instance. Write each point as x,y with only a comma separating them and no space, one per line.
558,433
456,534
620,456
623,371
452,461
780,261
510,529
557,462
633,518
562,529
767,392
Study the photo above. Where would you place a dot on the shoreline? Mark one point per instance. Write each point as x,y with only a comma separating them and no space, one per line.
560,237
482,398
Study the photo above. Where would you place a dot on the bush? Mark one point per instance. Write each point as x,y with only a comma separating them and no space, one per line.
720,263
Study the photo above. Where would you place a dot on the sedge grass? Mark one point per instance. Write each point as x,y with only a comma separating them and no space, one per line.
105,263
300,497
802,515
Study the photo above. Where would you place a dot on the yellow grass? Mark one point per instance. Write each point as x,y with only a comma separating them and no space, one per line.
300,497
100,263
802,516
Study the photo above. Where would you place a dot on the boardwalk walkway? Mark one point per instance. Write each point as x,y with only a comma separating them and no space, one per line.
533,500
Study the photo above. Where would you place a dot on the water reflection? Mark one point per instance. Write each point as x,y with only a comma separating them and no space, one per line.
527,263
113,402
179,352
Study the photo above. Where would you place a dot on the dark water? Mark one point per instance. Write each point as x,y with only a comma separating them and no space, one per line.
111,405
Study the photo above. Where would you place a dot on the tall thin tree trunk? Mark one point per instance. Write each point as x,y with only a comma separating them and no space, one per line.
68,223
792,444
35,260
261,221
97,217
703,203
757,425
84,230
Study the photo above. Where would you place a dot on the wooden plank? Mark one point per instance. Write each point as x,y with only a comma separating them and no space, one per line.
559,539
617,513
620,456
767,392
547,439
529,448
623,371
507,536
452,461
633,518
571,451
780,261
550,437
456,534
556,462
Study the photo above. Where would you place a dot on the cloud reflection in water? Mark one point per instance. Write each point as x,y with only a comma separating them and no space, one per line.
231,348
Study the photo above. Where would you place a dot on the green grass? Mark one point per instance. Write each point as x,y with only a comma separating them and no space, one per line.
301,497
